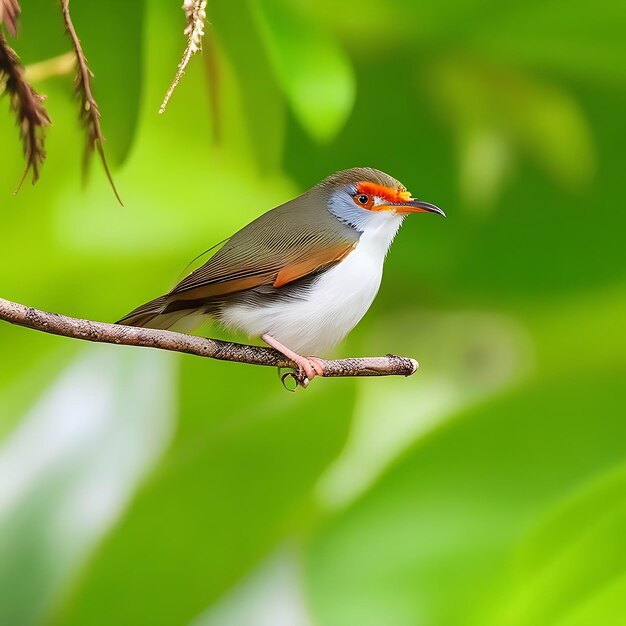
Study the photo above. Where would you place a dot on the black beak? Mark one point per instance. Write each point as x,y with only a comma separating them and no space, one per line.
418,206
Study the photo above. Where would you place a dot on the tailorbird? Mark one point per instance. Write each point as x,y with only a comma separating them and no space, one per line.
300,276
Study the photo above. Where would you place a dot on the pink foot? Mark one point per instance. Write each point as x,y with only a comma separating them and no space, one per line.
309,366
317,364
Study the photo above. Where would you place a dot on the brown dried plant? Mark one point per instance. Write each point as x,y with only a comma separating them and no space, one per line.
90,113
9,12
32,117
195,16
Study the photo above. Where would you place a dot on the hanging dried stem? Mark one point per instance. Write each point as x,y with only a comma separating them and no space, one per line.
90,113
195,15
9,12
32,117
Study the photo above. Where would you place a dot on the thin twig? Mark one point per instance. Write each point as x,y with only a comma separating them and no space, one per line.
90,113
195,16
189,344
32,117
9,14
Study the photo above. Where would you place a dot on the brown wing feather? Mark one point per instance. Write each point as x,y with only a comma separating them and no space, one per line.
221,288
316,262
284,244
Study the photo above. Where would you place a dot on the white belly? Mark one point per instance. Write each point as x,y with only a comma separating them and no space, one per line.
335,304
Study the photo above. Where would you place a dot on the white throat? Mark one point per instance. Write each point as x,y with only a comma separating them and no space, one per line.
378,233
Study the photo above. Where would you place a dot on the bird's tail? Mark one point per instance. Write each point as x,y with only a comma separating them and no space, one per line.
154,314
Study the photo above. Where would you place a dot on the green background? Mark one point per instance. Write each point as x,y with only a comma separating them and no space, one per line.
139,487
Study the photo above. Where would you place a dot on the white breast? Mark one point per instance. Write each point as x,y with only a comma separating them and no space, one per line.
335,304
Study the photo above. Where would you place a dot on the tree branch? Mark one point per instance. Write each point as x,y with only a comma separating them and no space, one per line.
189,344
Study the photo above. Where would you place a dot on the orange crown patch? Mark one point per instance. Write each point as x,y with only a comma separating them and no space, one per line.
391,195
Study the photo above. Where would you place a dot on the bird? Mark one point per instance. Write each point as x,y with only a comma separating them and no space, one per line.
302,275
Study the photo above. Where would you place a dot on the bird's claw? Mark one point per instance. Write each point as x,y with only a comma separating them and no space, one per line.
316,364
308,369
290,375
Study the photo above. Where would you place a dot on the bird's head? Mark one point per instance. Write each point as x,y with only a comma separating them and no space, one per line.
363,197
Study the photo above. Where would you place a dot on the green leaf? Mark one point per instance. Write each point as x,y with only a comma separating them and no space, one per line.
314,72
499,113
580,39
243,461
112,40
110,403
40,34
430,543
606,607
255,97
577,553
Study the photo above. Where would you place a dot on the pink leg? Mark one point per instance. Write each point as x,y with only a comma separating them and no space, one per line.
311,366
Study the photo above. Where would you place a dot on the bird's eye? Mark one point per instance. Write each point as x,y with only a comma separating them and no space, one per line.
363,199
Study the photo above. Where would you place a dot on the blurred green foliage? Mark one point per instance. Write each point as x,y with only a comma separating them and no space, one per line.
489,489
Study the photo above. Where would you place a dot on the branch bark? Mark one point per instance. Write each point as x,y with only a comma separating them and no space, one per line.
86,330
